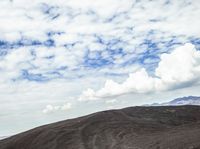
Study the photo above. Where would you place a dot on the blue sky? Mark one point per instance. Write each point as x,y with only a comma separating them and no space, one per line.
65,58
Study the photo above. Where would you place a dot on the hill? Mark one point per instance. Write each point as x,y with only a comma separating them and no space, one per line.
168,127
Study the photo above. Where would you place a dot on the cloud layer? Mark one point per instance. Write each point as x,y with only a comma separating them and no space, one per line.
68,39
178,69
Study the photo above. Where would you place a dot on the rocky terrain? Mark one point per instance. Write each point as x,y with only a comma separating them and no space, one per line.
168,127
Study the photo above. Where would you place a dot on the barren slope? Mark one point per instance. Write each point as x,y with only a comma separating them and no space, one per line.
129,128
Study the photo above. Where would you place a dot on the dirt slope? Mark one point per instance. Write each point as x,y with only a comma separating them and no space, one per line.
129,128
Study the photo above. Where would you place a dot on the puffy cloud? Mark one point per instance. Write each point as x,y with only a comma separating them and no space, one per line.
182,65
66,106
88,94
178,69
50,108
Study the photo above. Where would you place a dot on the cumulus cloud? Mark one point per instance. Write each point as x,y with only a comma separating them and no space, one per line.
50,108
182,65
178,69
66,106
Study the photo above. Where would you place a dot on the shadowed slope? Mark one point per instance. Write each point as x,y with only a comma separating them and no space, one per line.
129,128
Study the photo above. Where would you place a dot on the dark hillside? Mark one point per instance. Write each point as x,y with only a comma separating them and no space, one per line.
129,128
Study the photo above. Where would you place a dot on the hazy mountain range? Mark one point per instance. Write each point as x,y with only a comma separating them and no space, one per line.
189,100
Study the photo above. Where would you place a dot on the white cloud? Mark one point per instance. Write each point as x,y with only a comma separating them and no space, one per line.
15,58
50,108
80,22
77,18
13,63
182,65
178,69
66,106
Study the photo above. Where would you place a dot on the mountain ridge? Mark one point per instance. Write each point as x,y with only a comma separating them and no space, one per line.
187,100
162,127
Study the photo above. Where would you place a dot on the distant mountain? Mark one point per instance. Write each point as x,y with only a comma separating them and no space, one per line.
190,100
161,127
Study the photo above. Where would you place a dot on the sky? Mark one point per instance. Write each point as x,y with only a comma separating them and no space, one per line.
67,58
